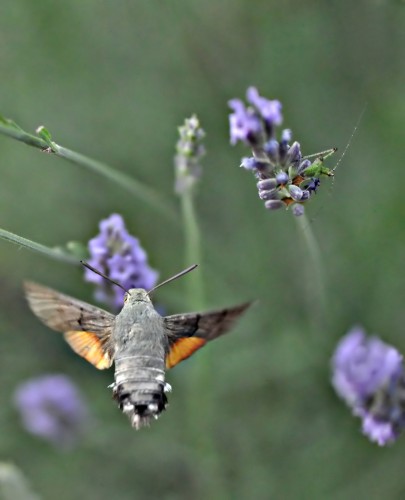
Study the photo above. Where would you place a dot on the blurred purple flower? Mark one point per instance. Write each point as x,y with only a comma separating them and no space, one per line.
269,110
254,124
369,375
52,408
119,256
245,124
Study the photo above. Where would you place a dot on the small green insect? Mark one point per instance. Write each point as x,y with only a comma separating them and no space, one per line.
317,168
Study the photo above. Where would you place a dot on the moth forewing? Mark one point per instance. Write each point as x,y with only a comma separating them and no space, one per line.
86,328
191,331
62,312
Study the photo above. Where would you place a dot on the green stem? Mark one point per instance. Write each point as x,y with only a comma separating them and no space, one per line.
143,193
56,254
194,282
7,127
318,301
201,402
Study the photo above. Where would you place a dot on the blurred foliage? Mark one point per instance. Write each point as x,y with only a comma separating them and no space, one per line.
114,81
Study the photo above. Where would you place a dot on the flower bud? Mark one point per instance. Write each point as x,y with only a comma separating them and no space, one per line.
273,204
266,184
295,192
269,195
282,178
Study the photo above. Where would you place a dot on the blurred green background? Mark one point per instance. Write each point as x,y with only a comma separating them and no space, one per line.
113,80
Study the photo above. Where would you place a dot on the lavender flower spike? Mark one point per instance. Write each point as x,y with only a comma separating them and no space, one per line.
120,256
190,150
295,176
52,408
369,375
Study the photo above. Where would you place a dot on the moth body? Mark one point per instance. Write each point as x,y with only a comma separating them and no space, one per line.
140,345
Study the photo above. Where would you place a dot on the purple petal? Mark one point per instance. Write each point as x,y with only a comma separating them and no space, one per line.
51,407
244,124
270,110
119,256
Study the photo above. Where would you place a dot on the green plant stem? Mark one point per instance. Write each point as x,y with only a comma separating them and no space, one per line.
144,193
56,254
201,402
193,282
317,299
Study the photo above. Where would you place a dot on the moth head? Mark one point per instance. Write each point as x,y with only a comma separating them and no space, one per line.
136,295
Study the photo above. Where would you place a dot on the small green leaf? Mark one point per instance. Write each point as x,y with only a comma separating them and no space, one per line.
9,123
73,248
45,135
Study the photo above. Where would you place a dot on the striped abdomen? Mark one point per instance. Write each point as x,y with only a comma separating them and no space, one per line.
140,387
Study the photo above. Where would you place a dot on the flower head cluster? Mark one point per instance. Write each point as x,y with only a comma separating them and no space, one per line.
284,176
118,255
52,408
189,150
369,375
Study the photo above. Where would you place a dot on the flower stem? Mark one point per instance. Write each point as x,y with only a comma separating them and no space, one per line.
317,300
144,193
194,283
201,400
56,253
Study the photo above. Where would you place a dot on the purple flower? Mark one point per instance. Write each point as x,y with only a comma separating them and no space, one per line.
273,204
256,165
362,365
294,154
266,184
297,178
52,408
245,124
368,374
271,149
286,136
313,184
380,432
295,192
119,256
282,178
268,194
249,163
269,110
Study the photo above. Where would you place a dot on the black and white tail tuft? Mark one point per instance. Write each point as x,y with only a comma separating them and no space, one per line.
139,390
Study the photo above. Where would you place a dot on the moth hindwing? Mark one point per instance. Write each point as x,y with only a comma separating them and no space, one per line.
141,343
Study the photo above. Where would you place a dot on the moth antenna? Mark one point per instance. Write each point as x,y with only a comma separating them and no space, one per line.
102,275
178,275
351,137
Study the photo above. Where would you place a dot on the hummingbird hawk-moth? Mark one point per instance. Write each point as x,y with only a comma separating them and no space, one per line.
140,342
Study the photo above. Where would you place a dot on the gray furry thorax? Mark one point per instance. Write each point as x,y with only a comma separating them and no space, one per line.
138,328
